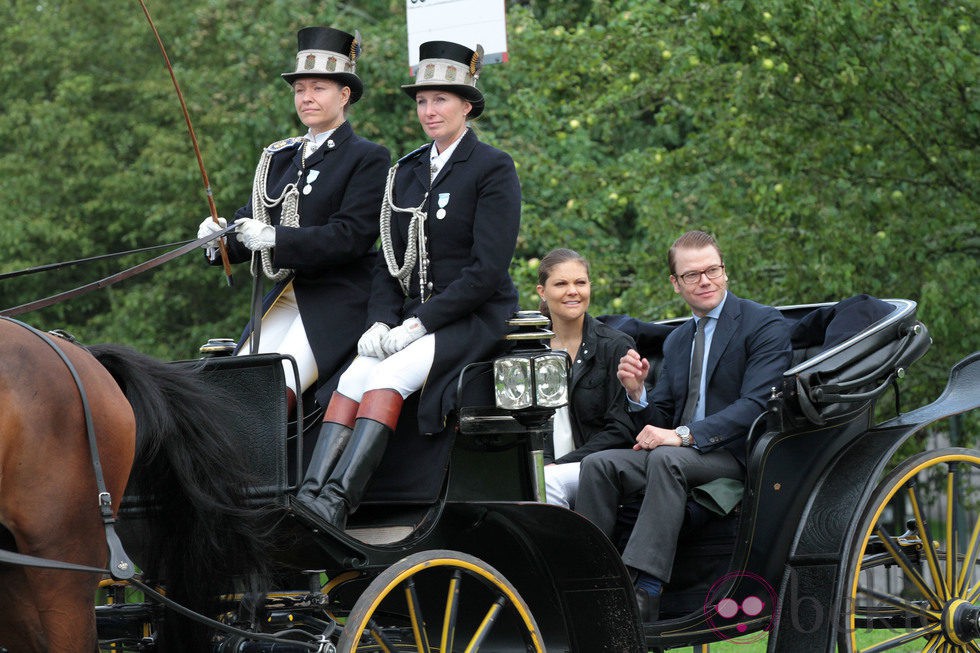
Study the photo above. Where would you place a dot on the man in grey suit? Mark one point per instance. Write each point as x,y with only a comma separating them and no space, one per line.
717,374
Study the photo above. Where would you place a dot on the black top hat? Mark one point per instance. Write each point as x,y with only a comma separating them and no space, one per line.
451,67
330,53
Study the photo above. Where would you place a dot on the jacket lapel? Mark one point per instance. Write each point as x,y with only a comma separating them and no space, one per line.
422,167
461,153
339,137
586,351
731,313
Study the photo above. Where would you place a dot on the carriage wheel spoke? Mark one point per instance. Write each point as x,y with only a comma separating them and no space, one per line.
913,574
904,638
969,561
952,526
452,609
931,556
383,643
488,620
970,646
973,594
935,643
900,603
416,617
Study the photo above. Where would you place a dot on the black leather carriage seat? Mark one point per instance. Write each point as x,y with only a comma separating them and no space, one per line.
419,472
256,385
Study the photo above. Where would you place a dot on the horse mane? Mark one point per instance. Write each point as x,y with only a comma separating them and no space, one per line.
193,481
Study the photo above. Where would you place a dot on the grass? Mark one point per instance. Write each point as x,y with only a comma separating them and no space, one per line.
752,644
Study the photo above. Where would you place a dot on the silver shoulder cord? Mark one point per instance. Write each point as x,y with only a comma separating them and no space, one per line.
261,203
415,248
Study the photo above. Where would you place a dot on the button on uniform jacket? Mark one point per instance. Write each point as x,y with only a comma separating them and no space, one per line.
470,250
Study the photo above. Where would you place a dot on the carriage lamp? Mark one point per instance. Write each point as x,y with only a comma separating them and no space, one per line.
532,380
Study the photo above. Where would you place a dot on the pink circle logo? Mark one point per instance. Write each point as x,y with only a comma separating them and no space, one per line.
723,611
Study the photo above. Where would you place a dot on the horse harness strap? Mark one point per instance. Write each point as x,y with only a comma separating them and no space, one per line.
120,566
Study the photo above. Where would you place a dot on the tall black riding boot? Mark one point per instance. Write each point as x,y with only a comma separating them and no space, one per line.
338,423
376,421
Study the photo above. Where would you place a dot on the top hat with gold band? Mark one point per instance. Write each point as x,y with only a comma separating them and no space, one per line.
451,67
330,53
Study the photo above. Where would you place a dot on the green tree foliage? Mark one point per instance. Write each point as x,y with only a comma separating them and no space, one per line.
829,144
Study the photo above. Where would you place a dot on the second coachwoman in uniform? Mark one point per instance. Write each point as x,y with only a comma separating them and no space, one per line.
442,293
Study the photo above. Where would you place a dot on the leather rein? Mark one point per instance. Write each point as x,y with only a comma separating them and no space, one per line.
111,279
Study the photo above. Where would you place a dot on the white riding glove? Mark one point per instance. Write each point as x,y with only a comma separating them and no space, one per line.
402,336
255,235
208,227
370,342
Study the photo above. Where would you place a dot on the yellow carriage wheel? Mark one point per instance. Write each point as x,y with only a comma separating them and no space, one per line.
440,602
914,581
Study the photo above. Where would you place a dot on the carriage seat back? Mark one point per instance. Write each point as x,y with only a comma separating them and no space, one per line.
256,385
847,354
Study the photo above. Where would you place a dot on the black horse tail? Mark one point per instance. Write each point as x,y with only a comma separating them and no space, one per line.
201,535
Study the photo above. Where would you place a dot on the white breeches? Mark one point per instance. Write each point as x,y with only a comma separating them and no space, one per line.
282,332
404,371
561,484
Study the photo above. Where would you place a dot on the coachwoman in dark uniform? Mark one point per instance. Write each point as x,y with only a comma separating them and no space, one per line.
312,222
442,293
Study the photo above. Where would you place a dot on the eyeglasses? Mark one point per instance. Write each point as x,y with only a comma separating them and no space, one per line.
691,278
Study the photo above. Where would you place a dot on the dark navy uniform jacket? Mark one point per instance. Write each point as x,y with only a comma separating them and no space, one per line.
332,251
470,250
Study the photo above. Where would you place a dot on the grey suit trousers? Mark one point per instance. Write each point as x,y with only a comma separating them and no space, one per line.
663,476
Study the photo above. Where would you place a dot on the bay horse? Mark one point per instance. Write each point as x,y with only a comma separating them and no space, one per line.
162,422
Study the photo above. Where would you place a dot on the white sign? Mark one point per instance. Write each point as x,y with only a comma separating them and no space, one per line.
466,22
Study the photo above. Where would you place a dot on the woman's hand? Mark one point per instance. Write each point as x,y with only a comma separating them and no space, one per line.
208,227
402,336
255,235
369,344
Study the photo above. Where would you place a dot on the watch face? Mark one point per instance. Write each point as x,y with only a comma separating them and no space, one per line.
682,431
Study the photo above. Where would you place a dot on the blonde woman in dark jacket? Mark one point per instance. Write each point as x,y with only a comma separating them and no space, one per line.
596,417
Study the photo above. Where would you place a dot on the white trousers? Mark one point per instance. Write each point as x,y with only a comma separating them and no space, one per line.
404,371
561,484
283,333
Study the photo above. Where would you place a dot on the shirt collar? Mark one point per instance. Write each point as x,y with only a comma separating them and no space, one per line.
318,140
438,159
714,313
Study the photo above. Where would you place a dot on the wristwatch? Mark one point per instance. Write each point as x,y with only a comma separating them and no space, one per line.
684,434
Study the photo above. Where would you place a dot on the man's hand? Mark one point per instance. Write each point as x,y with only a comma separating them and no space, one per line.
632,372
652,437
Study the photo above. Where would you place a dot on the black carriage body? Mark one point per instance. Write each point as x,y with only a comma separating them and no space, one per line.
473,489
